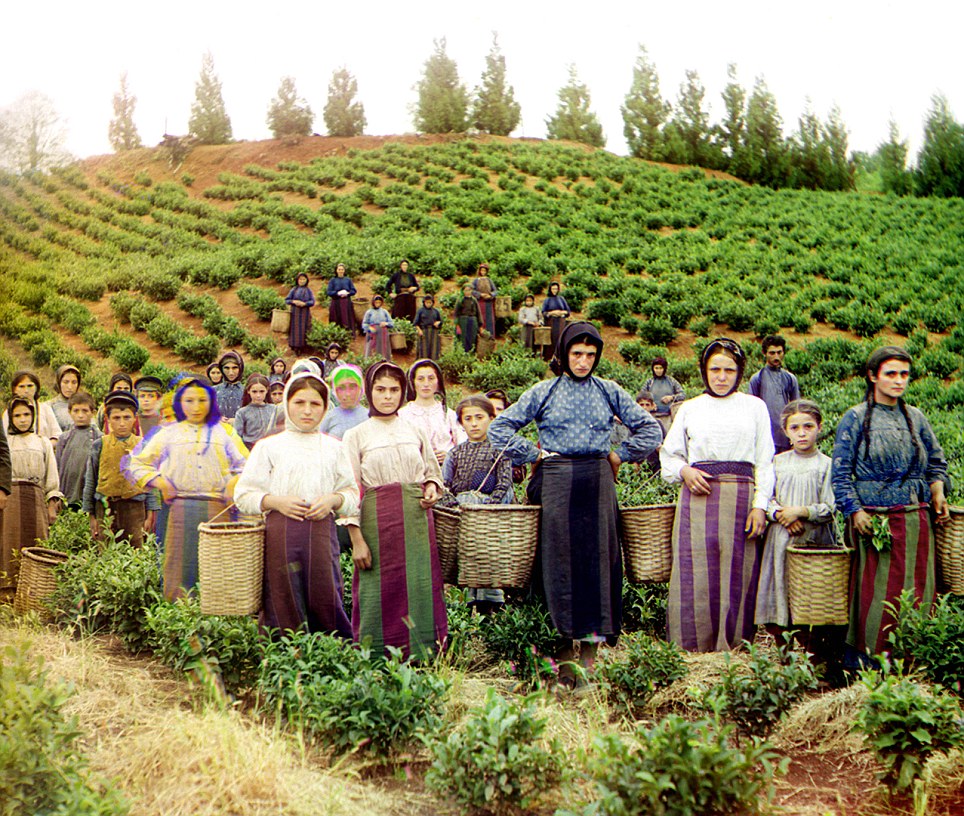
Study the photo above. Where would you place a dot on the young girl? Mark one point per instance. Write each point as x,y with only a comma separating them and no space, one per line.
214,374
800,512
427,410
278,369
347,382
68,384
26,385
300,299
35,491
330,363
194,463
428,323
276,392
398,593
484,290
375,326
256,418
529,318
299,478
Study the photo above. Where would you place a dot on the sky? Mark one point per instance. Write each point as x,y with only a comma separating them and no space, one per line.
877,61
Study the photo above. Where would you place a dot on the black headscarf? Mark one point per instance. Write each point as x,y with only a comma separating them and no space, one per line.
232,355
383,369
732,349
570,335
410,379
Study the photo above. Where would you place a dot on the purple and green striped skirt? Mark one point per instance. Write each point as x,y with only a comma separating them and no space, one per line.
341,312
878,578
302,576
378,342
399,601
299,326
579,565
712,588
177,539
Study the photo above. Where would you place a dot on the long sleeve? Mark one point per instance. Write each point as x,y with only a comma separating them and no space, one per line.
646,434
310,298
448,469
822,510
503,493
90,479
503,430
845,447
51,476
6,477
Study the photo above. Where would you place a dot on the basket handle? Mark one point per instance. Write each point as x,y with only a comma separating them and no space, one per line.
225,510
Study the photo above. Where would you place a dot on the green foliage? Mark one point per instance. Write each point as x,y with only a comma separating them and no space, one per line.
347,698
42,767
224,650
494,109
287,114
130,356
122,132
121,305
931,642
573,120
200,350
644,111
209,122
142,312
657,331
756,695
109,590
260,299
904,723
500,760
644,608
511,368
679,768
641,666
523,635
442,100
344,116
70,533
456,363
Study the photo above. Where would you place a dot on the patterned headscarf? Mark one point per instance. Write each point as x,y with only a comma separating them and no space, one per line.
722,345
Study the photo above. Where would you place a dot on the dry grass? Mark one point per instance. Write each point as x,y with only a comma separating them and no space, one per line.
824,723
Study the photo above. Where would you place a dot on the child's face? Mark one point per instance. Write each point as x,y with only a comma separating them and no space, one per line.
386,395
196,405
277,394
802,430
278,367
333,354
69,385
81,415
258,393
215,376
498,404
231,371
530,301
121,421
476,423
22,418
27,389
121,385
306,409
149,401
426,382
348,394
647,405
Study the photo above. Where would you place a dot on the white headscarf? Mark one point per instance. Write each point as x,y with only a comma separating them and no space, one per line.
303,370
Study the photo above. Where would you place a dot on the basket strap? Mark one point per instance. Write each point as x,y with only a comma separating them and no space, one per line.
225,510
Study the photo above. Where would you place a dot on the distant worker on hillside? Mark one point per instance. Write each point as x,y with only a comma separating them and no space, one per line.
402,287
776,387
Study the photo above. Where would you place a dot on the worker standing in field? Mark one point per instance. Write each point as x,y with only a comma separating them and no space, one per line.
776,387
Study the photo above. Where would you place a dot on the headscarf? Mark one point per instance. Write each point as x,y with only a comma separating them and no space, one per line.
299,276
383,368
210,368
330,347
33,415
275,360
15,381
732,349
306,370
580,332
214,413
346,371
254,379
232,355
60,375
121,376
659,361
377,297
410,379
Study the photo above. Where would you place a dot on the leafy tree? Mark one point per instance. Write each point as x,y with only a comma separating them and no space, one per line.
839,174
122,131
288,115
209,122
731,132
766,150
32,135
573,120
689,140
644,111
809,155
940,163
892,161
494,109
343,115
442,100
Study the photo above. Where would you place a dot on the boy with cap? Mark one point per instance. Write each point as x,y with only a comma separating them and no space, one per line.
106,489
74,446
149,391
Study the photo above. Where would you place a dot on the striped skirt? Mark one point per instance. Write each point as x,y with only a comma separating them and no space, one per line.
177,538
487,307
399,601
24,521
713,585
878,578
378,342
429,344
298,328
302,576
579,567
341,312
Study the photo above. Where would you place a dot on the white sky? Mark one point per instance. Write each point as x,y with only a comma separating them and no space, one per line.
875,60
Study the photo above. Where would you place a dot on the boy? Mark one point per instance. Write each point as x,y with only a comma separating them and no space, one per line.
645,400
73,449
149,391
132,510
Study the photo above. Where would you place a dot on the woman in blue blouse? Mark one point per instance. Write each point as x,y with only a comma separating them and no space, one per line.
555,310
300,299
341,289
578,564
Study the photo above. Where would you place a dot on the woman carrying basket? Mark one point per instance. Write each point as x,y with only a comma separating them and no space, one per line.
299,478
888,464
578,563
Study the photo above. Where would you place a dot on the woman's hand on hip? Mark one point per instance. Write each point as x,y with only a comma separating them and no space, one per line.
697,481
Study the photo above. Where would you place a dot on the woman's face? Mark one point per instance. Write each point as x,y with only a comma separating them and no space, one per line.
231,371
22,418
277,394
890,381
26,388
721,374
348,394
301,280
196,405
278,367
340,270
658,370
69,384
553,288
306,409
215,376
386,395
121,385
426,383
333,354
403,266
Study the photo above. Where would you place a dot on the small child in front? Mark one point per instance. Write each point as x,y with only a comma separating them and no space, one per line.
256,417
132,510
74,446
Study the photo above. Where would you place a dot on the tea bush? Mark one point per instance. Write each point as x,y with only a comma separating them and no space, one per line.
320,335
201,350
643,664
932,642
681,768
523,635
644,608
70,533
500,760
142,313
130,356
261,300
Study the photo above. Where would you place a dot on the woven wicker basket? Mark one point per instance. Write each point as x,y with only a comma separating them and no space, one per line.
542,336
398,340
280,320
497,544
360,305
38,578
950,550
648,542
818,583
484,346
502,306
230,559
447,540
